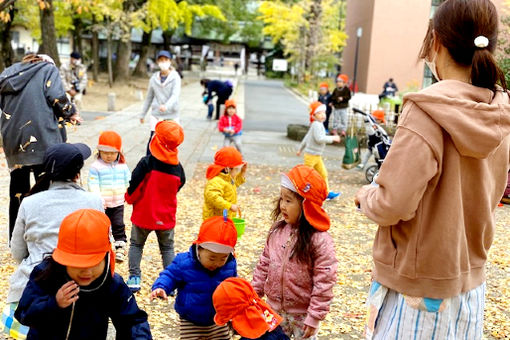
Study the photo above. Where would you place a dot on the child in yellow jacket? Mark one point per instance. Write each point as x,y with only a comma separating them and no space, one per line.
223,178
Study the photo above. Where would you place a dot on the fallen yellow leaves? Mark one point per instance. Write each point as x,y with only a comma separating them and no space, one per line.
353,235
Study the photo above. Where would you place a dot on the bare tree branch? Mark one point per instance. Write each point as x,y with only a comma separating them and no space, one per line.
6,4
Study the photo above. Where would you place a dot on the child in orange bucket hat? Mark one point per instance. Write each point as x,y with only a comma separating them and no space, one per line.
109,177
224,176
75,291
196,274
299,251
251,317
153,189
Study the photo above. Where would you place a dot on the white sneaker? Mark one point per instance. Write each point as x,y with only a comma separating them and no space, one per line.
120,251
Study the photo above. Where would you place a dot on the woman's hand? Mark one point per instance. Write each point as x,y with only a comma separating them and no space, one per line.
67,294
234,207
309,331
162,108
159,293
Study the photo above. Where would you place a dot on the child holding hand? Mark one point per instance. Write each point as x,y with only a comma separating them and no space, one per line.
300,252
224,177
109,176
231,125
73,292
196,274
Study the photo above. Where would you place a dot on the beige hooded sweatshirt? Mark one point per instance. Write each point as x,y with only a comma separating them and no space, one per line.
439,185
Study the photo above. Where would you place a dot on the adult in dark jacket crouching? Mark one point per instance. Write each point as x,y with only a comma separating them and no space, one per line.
222,89
34,107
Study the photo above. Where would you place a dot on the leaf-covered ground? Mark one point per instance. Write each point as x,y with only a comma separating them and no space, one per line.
353,235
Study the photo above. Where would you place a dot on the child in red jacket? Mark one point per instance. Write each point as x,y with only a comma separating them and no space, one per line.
153,193
231,125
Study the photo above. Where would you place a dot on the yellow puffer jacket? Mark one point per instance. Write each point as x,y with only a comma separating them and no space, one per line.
220,193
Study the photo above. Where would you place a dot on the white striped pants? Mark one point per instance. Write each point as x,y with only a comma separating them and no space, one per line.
461,319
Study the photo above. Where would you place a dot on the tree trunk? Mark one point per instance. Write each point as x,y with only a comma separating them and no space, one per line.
95,54
109,54
121,72
167,39
141,66
76,35
6,52
48,34
313,34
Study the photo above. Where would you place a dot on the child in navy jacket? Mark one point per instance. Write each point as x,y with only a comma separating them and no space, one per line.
196,274
73,293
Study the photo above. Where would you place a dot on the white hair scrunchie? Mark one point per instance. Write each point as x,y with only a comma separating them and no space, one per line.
481,41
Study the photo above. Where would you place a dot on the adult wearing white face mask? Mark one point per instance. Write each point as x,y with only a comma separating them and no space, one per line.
162,94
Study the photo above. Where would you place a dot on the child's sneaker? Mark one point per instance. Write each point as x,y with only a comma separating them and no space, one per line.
332,195
120,251
134,283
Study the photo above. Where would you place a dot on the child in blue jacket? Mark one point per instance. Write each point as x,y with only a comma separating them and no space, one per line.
73,292
196,274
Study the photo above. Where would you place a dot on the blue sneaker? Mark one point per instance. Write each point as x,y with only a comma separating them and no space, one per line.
332,195
134,283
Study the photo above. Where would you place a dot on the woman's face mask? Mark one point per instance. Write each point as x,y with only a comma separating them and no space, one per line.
432,65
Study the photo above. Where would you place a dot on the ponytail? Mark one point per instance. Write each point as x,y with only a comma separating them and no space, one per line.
485,71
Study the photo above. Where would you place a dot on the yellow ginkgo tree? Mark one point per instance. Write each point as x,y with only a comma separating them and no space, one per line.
310,31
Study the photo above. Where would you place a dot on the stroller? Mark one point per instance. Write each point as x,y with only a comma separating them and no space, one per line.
379,143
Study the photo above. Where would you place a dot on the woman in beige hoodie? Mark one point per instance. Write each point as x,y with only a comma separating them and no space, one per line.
440,184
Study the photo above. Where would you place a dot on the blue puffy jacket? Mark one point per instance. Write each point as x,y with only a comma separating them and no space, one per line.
195,285
112,298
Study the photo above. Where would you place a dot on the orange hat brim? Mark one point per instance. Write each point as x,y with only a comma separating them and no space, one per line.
316,215
158,150
77,260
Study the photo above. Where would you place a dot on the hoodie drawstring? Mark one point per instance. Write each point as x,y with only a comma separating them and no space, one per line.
70,322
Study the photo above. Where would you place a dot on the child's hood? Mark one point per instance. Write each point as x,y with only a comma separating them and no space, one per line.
477,119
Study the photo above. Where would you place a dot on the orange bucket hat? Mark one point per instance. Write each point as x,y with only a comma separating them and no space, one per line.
344,77
307,182
167,137
229,103
379,114
84,240
324,84
227,157
110,141
217,234
234,299
316,107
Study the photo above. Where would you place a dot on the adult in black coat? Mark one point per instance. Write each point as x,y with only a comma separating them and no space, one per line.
222,89
34,107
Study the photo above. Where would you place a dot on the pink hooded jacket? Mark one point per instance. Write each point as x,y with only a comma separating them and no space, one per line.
290,285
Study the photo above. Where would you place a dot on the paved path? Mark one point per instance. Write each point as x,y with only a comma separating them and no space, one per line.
266,105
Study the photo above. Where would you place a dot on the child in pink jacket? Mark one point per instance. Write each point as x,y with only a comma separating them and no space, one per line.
297,269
